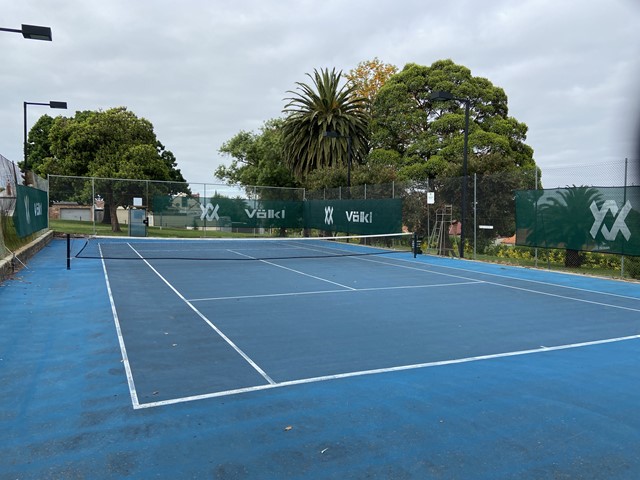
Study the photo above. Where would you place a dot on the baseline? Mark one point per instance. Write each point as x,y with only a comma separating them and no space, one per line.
542,349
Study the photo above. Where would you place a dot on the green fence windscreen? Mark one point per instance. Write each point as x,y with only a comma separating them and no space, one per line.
355,216
31,213
185,211
352,216
597,219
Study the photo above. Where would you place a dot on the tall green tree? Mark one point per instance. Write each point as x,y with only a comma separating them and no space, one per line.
327,105
113,144
428,134
257,158
38,144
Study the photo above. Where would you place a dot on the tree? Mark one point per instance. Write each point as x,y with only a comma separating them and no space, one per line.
38,144
323,107
257,158
112,144
428,134
369,76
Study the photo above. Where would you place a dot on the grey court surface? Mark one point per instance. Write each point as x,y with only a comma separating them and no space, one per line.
351,367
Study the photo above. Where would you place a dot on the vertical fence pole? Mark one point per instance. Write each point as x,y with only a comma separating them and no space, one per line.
93,205
68,251
204,202
536,210
428,218
48,203
624,201
475,218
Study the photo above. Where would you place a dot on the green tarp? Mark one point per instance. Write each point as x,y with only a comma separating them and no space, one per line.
597,219
350,216
362,217
31,212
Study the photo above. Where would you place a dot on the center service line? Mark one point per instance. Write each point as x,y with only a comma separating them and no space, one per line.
203,317
295,271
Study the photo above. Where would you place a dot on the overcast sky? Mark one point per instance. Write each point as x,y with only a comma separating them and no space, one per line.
203,70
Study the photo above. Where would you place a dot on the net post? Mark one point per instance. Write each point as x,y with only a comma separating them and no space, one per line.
68,251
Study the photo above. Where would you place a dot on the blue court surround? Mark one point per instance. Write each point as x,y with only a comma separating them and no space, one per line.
524,410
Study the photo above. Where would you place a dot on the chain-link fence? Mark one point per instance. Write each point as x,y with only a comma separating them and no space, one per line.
434,209
10,177
9,174
170,205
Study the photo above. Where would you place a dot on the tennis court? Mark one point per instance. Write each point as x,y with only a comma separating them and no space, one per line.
314,359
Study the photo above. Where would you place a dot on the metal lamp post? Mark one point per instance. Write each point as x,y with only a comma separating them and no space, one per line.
443,95
32,32
51,104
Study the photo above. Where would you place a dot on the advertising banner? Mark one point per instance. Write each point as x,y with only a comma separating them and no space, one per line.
361,217
31,212
229,212
596,219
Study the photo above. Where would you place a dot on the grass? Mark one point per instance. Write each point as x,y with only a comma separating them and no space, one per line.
11,239
543,264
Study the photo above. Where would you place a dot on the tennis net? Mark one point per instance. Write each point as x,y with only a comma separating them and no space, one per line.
127,248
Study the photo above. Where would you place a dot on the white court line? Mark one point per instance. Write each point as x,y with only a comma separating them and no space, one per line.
383,370
549,284
203,317
529,290
538,292
123,349
293,270
324,292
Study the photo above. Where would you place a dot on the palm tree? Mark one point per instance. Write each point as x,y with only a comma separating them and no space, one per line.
566,221
322,107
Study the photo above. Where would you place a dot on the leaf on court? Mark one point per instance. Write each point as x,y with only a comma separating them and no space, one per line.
175,345
287,428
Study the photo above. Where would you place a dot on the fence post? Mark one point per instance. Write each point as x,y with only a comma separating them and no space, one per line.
93,205
624,201
428,218
475,218
536,188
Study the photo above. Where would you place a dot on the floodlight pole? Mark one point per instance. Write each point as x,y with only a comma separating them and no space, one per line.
51,104
333,134
443,95
32,32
